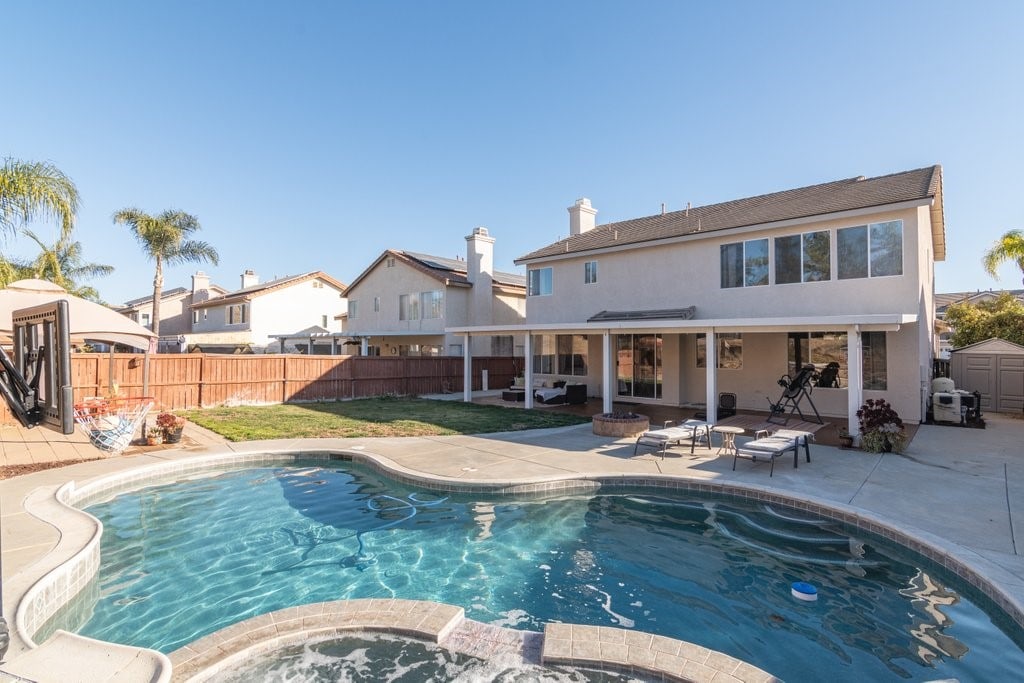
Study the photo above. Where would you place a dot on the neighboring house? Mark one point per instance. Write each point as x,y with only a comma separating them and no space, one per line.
943,301
402,303
677,307
175,308
253,317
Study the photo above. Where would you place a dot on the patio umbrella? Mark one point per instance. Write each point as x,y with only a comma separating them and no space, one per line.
87,320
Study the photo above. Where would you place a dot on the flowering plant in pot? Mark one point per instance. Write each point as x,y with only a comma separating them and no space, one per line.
881,429
170,426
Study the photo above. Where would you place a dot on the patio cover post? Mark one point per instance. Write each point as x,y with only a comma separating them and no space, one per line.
711,370
467,371
528,370
855,376
606,372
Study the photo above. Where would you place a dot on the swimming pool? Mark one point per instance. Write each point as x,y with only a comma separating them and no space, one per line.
185,559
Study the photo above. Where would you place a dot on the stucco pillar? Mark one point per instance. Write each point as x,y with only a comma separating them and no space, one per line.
467,371
528,369
607,371
855,376
711,372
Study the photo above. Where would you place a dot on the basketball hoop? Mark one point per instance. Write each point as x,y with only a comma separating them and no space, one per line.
110,423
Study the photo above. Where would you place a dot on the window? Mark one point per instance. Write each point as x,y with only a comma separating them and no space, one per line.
590,272
802,258
376,304
501,345
408,307
353,309
572,354
824,348
195,317
455,349
317,284
874,250
745,264
433,304
544,354
390,262
540,282
730,351
237,314
323,321
638,365
145,319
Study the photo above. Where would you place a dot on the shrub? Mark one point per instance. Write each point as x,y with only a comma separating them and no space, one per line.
880,426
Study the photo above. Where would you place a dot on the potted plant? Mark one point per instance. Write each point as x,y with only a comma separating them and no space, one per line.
169,427
881,429
154,437
845,438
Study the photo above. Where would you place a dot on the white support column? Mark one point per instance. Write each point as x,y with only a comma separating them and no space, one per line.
528,370
467,371
712,376
607,373
855,376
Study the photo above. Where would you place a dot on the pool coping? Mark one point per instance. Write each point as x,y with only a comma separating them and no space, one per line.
70,566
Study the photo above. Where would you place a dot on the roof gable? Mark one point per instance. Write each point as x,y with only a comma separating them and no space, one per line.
921,185
253,291
450,272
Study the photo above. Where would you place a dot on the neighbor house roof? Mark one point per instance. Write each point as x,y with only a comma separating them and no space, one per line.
167,294
452,272
943,300
253,291
920,186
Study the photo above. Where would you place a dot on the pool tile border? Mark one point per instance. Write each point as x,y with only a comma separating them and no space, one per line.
77,560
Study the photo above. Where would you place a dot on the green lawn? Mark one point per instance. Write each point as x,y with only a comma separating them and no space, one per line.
373,417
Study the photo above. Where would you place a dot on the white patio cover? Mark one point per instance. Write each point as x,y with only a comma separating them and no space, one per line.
87,320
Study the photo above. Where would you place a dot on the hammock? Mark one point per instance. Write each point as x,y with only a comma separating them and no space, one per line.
110,423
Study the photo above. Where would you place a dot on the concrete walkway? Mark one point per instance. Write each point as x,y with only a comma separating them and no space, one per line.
958,489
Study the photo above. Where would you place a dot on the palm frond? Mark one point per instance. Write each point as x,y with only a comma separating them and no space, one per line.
31,190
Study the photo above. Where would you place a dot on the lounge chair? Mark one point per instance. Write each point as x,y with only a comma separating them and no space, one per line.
764,447
690,430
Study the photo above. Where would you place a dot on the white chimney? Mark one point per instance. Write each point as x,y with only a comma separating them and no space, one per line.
480,272
250,278
582,217
200,287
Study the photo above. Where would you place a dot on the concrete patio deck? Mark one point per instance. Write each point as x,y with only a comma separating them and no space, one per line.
961,490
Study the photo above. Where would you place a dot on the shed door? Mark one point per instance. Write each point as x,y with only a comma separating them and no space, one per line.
979,375
1010,396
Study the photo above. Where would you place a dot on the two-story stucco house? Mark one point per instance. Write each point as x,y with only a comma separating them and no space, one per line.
175,308
254,316
402,303
676,307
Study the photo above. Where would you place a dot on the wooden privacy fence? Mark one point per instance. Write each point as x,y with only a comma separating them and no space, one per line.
200,380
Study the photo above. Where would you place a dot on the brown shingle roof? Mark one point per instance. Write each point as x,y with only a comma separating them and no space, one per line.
815,200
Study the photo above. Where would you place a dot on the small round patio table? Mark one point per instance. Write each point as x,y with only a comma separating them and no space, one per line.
728,438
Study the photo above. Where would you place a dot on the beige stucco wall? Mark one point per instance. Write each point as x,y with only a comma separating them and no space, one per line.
688,273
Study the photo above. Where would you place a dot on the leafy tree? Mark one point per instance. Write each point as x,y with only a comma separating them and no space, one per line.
1009,247
31,190
62,264
1002,317
12,270
164,239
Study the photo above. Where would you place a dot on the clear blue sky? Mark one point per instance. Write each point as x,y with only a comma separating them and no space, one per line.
314,135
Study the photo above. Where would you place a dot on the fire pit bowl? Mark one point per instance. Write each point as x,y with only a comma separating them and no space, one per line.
620,424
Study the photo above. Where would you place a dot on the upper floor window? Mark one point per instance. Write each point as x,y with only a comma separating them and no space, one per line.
323,321
195,317
874,250
590,272
433,304
317,284
745,264
145,319
408,307
353,309
540,282
390,262
376,304
803,258
237,314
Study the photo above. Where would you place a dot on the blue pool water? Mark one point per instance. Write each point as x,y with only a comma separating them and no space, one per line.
182,560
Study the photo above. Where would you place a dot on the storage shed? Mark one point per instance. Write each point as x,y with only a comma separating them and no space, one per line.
995,368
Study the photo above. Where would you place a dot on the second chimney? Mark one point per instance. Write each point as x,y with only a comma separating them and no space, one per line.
582,217
200,287
250,278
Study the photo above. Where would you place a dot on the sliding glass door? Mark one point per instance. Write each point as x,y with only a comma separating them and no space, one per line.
638,365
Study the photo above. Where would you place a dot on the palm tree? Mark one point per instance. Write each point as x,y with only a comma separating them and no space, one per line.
31,190
62,265
164,239
1009,247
